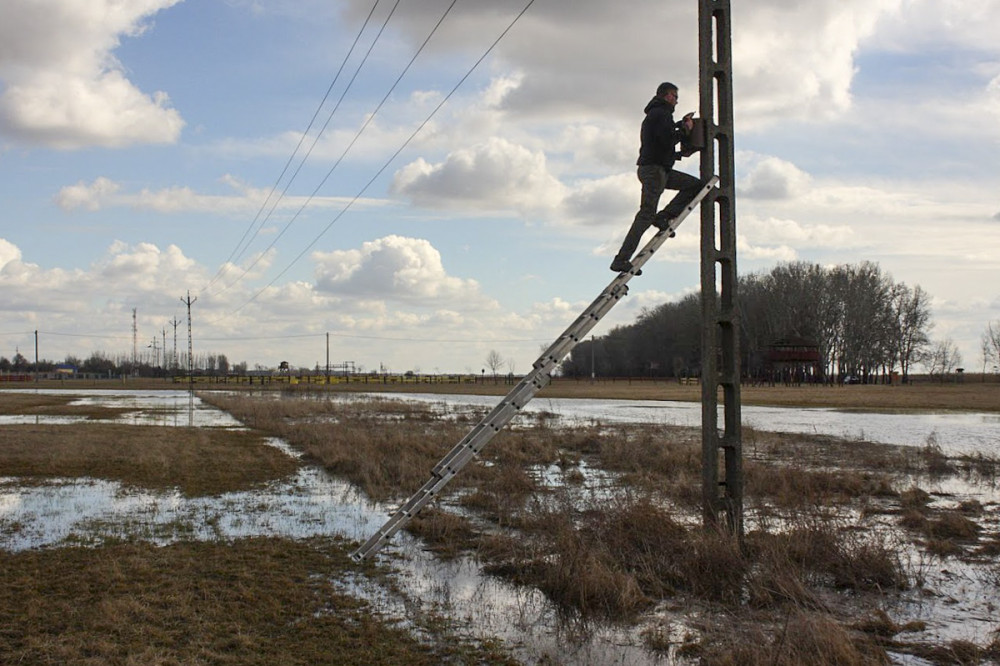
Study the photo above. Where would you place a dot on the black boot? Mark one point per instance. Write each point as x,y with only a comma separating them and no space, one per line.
623,266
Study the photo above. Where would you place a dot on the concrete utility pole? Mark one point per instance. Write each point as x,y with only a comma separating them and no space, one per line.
155,346
135,343
174,322
188,302
722,486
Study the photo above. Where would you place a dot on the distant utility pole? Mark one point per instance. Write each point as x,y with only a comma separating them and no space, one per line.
135,342
155,344
327,358
188,302
164,335
175,322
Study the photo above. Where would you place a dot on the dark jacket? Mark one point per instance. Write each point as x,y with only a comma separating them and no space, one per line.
659,135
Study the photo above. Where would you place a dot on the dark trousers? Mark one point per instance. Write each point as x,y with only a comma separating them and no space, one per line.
654,180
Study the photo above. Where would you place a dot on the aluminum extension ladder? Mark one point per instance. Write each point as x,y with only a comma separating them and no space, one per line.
521,395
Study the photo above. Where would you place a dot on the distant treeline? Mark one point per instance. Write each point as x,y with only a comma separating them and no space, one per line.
143,364
862,324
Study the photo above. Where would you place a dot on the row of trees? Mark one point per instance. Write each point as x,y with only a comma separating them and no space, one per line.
114,365
861,322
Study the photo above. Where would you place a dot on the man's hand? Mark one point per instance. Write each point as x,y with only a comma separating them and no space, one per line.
688,121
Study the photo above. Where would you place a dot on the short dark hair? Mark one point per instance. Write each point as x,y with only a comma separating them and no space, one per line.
665,87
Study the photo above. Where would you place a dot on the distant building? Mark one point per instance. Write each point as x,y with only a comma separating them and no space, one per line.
794,360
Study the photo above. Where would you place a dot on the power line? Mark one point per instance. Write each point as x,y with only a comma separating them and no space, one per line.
11,333
391,159
311,196
357,135
376,337
237,252
86,335
250,338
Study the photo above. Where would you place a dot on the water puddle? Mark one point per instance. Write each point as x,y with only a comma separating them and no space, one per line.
181,409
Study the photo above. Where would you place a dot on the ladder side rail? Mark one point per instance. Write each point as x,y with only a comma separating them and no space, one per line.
586,321
396,521
519,396
580,327
501,415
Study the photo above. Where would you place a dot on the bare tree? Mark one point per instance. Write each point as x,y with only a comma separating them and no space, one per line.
494,361
942,359
912,314
991,344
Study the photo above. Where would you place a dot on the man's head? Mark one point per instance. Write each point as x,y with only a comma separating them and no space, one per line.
668,92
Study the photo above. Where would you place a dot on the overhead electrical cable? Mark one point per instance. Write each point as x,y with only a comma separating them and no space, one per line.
237,251
288,224
240,338
326,124
372,337
390,160
357,135
85,335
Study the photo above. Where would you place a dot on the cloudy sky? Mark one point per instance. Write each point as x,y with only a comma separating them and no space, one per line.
375,172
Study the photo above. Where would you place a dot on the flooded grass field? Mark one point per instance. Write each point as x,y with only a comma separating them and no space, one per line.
575,540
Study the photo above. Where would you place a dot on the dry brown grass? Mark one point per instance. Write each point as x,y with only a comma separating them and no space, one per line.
611,560
616,560
40,404
784,487
253,601
824,553
501,494
803,638
445,533
197,461
360,441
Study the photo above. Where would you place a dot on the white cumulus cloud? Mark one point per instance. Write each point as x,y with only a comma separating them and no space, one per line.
494,175
774,178
8,253
396,268
63,87
610,201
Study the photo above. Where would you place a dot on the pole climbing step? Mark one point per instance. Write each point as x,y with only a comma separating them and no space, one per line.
539,377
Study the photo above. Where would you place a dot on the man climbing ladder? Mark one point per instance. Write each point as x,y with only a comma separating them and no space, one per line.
659,137
533,382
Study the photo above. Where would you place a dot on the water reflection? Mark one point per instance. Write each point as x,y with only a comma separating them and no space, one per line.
146,408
